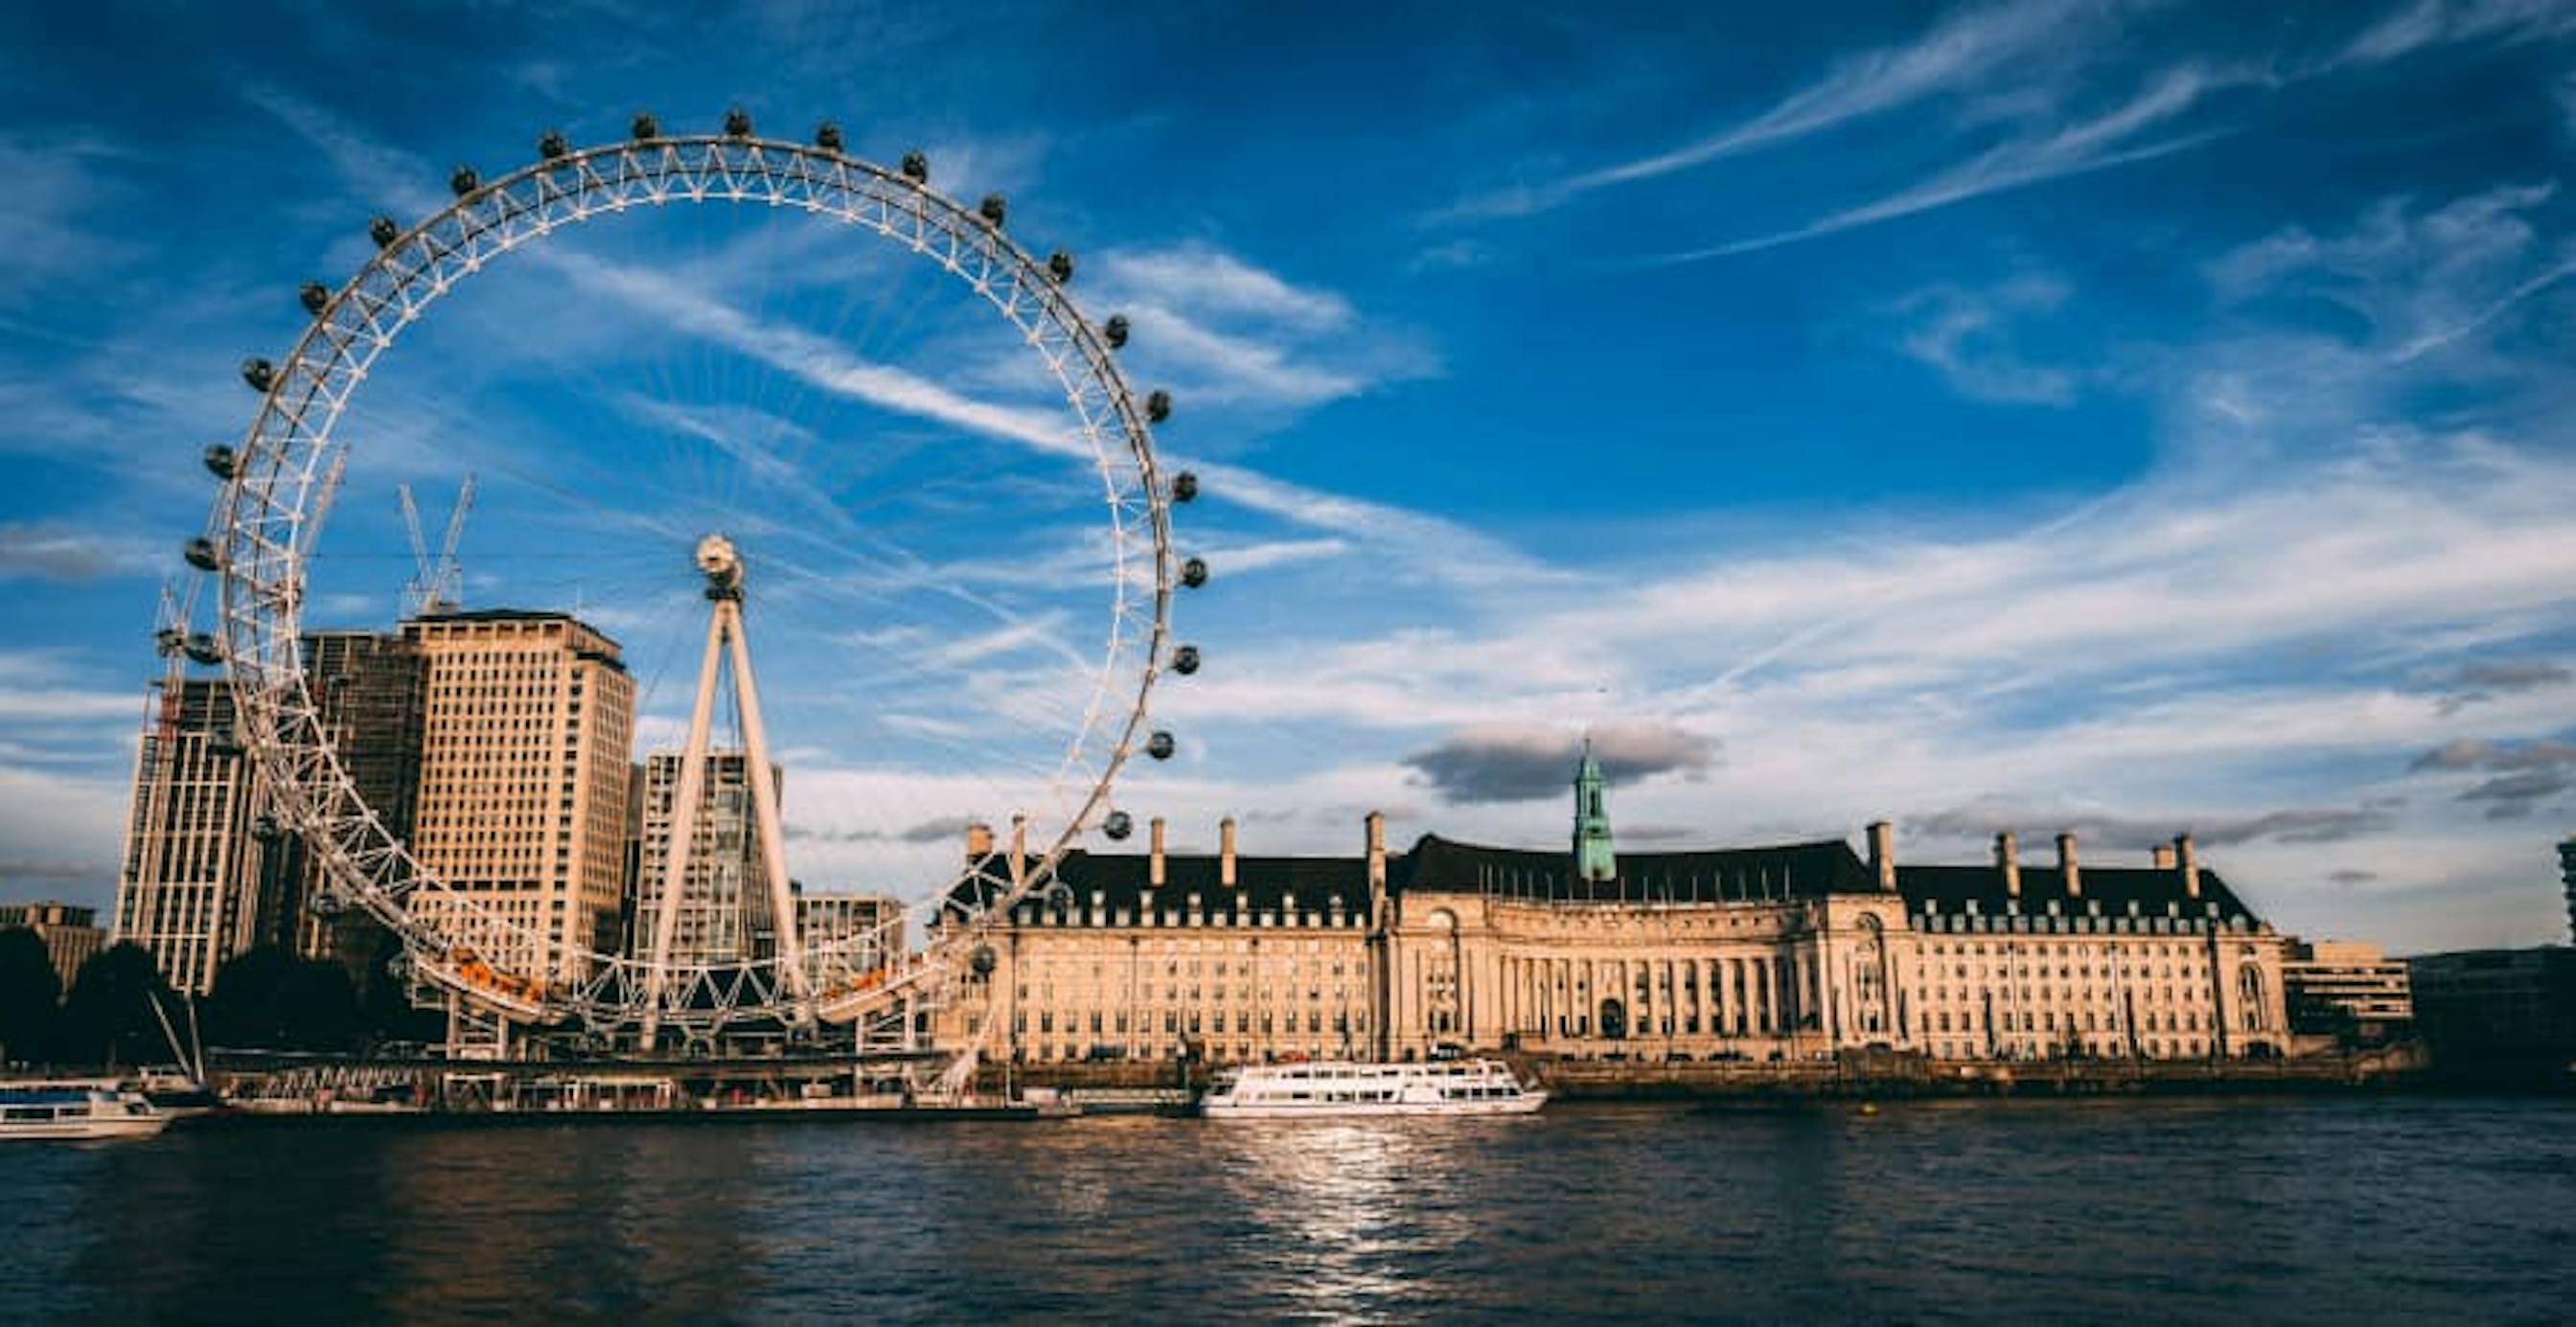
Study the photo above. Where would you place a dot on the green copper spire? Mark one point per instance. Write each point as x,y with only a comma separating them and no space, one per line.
1593,857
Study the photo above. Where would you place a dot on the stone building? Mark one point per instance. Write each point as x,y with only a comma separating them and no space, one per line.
367,697
527,724
199,856
2347,988
724,909
70,932
1785,952
860,931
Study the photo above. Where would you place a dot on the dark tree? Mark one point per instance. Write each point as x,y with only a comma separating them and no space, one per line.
268,999
321,1007
29,994
390,1014
248,1007
109,1017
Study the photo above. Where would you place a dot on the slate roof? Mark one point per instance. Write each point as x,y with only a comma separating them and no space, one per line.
2114,888
1732,875
1261,882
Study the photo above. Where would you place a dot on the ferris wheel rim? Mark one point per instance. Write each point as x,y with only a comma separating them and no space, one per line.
358,853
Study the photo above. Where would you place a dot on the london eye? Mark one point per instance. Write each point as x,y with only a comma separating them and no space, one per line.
279,481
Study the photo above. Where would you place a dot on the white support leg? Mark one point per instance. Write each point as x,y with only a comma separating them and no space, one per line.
773,836
684,825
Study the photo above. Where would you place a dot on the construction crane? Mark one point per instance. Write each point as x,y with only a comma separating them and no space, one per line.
437,585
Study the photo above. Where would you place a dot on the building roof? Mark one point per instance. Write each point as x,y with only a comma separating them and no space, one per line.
1732,875
2114,888
1263,882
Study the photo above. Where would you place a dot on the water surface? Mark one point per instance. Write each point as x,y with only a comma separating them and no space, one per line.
2336,1210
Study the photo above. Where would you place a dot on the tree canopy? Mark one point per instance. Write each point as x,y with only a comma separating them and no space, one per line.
30,993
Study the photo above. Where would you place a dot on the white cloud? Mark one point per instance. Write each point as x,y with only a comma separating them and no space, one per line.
2116,137
1958,54
2421,24
1966,335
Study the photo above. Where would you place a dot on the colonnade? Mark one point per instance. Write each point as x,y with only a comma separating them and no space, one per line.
1658,997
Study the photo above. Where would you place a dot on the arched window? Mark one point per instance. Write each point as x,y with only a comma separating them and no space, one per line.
2249,994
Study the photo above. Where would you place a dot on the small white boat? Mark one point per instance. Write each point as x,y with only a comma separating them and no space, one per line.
76,1111
1290,1091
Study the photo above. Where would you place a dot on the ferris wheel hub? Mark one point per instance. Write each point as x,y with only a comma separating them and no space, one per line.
722,566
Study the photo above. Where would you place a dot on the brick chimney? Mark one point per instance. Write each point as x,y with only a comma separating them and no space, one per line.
1376,841
1225,852
1019,848
1154,862
1882,854
2008,861
2164,857
2067,870
2188,862
979,841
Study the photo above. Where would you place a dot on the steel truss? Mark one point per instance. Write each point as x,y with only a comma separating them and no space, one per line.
270,511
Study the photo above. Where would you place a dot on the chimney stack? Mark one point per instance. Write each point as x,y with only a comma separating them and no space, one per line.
2164,857
1882,854
2008,861
2188,862
979,841
1019,848
1225,852
1154,864
1376,852
2066,867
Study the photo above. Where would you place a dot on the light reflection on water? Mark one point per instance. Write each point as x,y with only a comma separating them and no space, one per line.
2287,1210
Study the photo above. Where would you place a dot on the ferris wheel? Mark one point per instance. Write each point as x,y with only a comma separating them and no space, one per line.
279,481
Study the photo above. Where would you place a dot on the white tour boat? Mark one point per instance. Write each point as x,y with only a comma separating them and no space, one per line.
76,1110
1287,1091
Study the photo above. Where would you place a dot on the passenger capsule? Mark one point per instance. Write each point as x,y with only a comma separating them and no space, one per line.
464,181
827,136
916,168
737,123
201,554
1115,331
1185,660
1060,266
325,903
1118,825
202,648
645,129
551,145
1194,572
398,968
1160,746
1185,486
983,961
993,209
314,296
265,828
222,460
259,373
1158,406
169,641
384,232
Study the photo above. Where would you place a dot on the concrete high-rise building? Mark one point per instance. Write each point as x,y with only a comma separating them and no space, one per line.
70,932
724,912
865,930
191,885
527,724
367,687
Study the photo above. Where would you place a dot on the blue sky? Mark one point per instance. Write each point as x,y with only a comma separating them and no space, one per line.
2121,417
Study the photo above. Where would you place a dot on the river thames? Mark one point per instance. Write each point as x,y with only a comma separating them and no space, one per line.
2333,1210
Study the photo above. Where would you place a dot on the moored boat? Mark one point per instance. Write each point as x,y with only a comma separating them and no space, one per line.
1288,1091
75,1111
